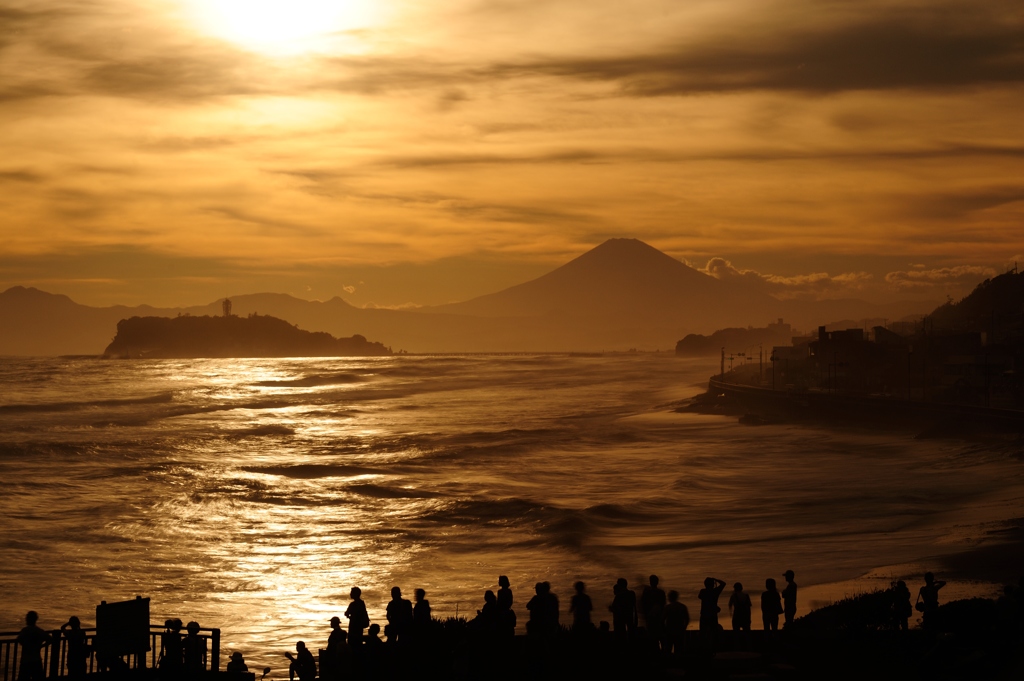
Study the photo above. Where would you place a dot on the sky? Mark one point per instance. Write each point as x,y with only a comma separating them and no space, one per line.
404,152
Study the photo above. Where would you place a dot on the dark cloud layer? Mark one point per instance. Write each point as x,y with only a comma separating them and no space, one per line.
949,46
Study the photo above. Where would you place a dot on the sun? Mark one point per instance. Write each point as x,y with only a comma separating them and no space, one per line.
282,25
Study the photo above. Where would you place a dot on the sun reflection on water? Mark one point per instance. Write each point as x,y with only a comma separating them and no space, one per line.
253,494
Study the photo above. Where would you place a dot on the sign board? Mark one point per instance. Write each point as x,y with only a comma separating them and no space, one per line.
122,628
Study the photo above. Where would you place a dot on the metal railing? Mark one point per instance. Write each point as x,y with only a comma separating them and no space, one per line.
55,655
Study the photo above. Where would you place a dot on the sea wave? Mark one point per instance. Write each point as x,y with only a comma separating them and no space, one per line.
312,381
311,471
159,398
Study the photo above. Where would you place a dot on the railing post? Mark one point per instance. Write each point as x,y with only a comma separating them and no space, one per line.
56,641
215,650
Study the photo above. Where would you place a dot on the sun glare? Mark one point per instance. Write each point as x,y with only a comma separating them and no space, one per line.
283,25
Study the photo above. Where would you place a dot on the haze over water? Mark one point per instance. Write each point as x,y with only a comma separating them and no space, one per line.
252,494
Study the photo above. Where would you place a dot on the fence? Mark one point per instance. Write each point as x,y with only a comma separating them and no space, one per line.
55,655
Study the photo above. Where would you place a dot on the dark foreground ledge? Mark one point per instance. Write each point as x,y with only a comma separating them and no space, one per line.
758,405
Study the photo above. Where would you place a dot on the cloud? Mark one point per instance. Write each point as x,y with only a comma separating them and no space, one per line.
942,276
792,48
798,286
348,288
21,176
954,205
401,306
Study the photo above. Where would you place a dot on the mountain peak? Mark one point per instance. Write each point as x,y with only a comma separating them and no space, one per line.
620,279
628,253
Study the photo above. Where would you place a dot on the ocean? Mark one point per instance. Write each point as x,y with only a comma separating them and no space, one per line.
252,494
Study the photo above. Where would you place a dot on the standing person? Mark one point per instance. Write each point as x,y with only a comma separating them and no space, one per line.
32,640
581,606
677,619
171,651
789,597
901,607
421,613
78,651
928,596
543,609
399,614
652,607
195,650
709,608
331,663
623,607
740,606
358,619
506,615
488,619
504,593
552,607
771,606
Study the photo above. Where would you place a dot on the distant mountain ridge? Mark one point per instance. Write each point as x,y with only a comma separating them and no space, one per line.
621,294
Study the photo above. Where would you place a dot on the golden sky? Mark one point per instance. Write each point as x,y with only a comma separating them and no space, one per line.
392,152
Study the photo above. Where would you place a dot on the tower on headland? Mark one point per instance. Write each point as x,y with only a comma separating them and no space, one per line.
227,307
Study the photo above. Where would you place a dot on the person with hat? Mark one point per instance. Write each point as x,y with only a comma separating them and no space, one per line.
237,664
335,662
789,597
195,650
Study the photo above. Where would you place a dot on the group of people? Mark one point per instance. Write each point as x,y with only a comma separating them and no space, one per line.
664,616
181,656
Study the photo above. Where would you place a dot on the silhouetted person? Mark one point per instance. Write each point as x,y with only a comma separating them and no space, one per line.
358,619
677,619
337,659
337,637
504,593
32,640
581,606
505,612
78,651
709,605
302,664
652,607
623,607
789,597
771,605
237,664
195,650
421,612
901,607
740,606
399,614
543,609
488,618
374,650
172,655
928,596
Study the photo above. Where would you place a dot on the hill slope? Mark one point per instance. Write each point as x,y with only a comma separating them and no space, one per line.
232,336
